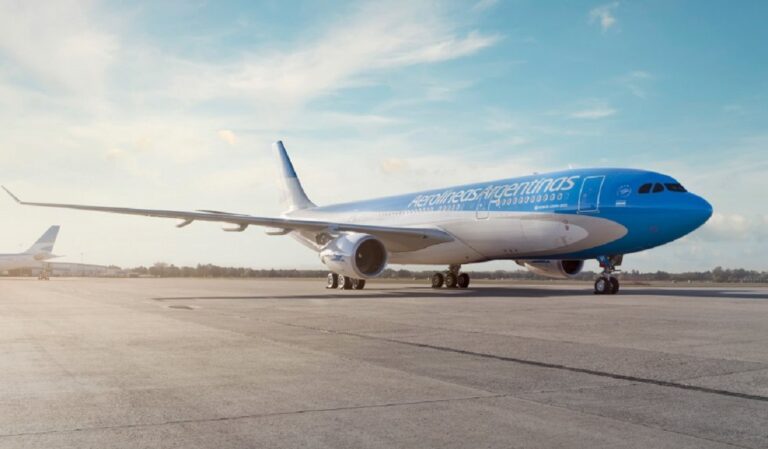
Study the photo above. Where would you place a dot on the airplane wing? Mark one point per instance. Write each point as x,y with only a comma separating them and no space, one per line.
395,239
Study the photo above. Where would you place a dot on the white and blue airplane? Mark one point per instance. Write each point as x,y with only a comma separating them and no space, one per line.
549,223
35,257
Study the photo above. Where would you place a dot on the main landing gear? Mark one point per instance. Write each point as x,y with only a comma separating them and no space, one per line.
344,282
607,283
45,273
451,278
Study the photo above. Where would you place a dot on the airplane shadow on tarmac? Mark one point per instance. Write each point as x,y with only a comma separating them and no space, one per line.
491,292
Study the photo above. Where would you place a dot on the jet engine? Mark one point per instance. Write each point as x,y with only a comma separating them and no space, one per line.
356,255
557,269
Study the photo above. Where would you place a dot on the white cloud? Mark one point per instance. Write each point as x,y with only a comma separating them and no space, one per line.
443,49
635,82
357,120
58,43
115,153
734,226
729,225
594,113
377,37
394,165
227,136
734,108
483,5
250,176
604,15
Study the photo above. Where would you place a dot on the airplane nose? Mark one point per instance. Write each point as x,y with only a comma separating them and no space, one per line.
700,211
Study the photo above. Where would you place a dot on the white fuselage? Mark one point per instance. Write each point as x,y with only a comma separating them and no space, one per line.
15,261
496,235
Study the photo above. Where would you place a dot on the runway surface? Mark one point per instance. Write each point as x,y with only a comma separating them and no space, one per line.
285,363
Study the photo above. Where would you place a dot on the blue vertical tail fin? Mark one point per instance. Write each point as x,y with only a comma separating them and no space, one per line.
45,243
292,194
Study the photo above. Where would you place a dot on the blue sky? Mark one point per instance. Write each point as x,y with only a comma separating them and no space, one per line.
175,104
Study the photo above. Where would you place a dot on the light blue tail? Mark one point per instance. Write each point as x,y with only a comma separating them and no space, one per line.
45,243
292,194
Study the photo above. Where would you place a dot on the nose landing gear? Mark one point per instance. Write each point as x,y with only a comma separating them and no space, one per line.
607,283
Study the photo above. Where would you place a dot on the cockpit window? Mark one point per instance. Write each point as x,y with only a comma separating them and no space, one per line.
658,188
645,188
675,187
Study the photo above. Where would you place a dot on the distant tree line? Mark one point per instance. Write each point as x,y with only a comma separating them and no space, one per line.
718,274
164,270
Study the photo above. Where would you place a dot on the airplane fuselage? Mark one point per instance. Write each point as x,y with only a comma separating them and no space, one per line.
35,256
572,214
15,261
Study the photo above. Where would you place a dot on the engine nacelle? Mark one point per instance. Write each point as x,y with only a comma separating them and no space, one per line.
356,255
557,269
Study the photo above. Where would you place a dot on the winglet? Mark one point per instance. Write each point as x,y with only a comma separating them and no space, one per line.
15,198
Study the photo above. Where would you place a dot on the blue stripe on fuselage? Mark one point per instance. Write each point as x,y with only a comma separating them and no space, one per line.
547,192
609,193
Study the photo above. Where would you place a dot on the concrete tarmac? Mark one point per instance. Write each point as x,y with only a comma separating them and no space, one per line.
177,363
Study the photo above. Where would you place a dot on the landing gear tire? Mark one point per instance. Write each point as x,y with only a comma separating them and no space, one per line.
437,280
451,280
358,284
333,281
463,280
602,286
605,285
345,282
614,285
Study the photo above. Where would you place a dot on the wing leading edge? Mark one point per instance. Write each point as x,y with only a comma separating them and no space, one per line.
395,239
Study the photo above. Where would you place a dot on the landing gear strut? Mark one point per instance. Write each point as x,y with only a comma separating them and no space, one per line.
45,274
452,278
607,283
344,282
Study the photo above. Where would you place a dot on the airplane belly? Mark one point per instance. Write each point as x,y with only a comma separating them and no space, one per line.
445,253
12,264
512,236
493,237
548,235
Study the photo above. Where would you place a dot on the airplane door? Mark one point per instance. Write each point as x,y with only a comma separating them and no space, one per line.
481,213
589,197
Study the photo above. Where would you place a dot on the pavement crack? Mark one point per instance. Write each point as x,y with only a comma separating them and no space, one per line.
729,373
573,369
259,415
631,423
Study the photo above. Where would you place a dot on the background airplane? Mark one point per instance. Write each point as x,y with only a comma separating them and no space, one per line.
549,223
35,257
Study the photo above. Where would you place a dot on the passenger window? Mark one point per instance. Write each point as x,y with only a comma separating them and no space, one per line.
645,188
675,188
658,188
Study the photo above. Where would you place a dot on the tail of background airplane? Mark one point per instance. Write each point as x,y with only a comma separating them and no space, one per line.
45,243
292,195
